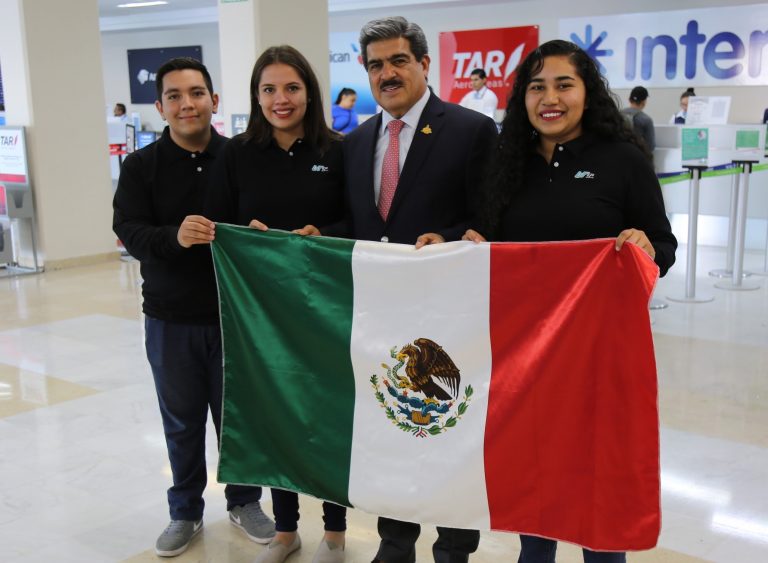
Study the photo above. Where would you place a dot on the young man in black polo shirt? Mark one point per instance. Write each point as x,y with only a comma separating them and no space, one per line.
157,210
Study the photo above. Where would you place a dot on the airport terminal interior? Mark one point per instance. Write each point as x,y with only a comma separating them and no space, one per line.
83,459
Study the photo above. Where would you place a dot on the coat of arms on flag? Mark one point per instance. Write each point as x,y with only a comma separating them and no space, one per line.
430,408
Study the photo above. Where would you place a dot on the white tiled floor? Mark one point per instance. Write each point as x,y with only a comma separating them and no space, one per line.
84,470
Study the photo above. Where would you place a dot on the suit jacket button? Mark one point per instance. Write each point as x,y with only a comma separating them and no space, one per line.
384,239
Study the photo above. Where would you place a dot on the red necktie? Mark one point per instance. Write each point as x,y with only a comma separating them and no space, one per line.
390,168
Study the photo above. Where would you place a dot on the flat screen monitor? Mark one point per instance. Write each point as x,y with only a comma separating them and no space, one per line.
708,110
144,138
13,156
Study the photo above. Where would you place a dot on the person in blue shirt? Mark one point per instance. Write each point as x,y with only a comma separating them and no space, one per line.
343,111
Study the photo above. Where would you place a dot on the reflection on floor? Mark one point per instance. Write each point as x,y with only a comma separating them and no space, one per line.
83,462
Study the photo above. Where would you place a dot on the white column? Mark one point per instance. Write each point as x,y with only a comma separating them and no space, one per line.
50,53
247,28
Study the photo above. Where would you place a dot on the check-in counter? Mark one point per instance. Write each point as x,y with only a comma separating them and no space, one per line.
725,143
18,251
715,201
719,161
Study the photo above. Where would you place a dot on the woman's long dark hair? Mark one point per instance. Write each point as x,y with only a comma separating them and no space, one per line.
344,92
316,132
518,140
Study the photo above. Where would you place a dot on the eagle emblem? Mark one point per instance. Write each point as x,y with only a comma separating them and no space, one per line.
423,401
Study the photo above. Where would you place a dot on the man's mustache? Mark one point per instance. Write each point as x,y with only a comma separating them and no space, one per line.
389,83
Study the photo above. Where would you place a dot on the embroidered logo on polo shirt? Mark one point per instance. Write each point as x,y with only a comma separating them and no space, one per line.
584,174
319,168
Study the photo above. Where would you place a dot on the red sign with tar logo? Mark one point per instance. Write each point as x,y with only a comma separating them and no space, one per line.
497,51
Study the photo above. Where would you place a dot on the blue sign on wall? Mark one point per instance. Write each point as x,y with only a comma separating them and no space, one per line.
347,71
702,47
143,65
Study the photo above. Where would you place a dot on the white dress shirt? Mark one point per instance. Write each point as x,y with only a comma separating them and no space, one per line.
411,120
482,100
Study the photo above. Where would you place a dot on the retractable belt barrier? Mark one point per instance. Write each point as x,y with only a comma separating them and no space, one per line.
694,174
764,271
733,274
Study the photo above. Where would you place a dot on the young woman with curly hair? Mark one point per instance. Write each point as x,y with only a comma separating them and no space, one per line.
568,167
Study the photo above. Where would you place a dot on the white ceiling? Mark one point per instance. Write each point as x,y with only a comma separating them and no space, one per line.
189,12
109,9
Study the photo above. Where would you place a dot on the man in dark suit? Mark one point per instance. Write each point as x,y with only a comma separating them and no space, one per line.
412,173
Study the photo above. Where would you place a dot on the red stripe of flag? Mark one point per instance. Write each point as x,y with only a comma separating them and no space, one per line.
571,442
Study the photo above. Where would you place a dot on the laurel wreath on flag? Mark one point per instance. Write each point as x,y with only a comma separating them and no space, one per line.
421,431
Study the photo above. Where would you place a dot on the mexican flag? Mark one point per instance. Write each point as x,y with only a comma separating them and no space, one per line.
486,386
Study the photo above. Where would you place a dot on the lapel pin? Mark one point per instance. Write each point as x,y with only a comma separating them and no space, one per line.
427,130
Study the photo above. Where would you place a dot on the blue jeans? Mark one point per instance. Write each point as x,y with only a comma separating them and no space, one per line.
539,550
187,367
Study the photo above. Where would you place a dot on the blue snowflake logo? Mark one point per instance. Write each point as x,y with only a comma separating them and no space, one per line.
592,46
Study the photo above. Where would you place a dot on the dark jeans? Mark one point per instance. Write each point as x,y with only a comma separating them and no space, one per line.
539,550
285,505
187,367
398,542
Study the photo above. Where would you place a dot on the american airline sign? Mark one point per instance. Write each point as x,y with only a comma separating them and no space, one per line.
497,51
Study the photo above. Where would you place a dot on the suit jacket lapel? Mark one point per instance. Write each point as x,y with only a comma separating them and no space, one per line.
424,139
368,149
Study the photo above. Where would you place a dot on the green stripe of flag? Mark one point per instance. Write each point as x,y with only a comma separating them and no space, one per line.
303,343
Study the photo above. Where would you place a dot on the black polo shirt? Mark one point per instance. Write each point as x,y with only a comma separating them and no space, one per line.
590,189
282,189
160,185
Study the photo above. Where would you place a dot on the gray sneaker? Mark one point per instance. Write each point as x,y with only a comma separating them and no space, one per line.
176,537
250,518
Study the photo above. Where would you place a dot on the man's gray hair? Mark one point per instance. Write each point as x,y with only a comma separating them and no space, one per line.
393,28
